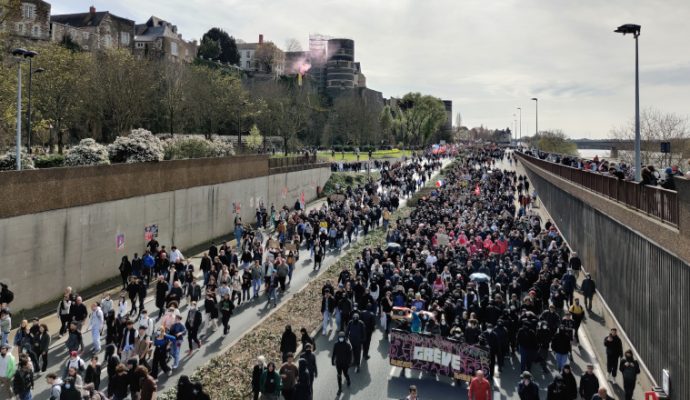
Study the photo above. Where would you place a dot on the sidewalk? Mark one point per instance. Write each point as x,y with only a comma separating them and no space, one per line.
597,325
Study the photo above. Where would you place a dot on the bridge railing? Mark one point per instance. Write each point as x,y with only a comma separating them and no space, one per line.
654,201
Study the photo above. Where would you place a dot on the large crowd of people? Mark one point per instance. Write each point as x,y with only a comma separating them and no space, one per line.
132,347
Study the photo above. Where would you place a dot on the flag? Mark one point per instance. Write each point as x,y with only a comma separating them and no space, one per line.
440,183
477,191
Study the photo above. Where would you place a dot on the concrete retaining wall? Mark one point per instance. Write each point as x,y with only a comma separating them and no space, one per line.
43,252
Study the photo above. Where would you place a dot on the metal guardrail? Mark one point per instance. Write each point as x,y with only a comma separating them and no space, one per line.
654,201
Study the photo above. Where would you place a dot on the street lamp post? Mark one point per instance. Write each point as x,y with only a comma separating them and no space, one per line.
18,53
520,112
635,31
28,112
536,115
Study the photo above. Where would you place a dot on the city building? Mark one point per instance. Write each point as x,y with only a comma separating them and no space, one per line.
30,21
158,39
93,30
250,58
448,125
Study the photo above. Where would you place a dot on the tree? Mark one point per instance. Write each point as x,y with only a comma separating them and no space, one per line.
228,46
293,45
122,89
419,116
267,57
209,48
172,79
655,127
355,122
554,142
60,91
254,140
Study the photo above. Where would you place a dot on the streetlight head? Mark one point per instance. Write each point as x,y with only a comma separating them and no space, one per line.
18,52
535,99
30,54
629,28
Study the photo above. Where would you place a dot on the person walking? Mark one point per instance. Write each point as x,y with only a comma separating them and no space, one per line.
288,377
160,353
193,324
629,368
556,389
528,390
560,344
480,388
602,395
225,307
341,358
589,384
288,342
614,351
96,325
257,373
7,370
271,384
23,380
578,314
356,334
589,288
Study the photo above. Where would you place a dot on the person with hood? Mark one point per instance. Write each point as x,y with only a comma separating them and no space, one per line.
271,384
669,182
569,382
356,334
310,358
69,390
288,342
304,389
527,390
556,389
629,368
125,271
341,358
589,384
257,372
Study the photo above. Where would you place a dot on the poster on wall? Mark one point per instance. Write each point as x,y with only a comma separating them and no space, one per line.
150,232
236,207
301,200
120,241
284,192
436,354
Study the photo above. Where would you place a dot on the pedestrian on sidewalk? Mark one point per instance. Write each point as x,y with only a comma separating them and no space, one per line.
133,292
125,271
74,342
161,293
614,351
271,384
288,342
288,375
527,389
226,306
161,344
23,380
629,368
178,331
193,324
5,326
257,374
602,395
63,312
588,288
92,375
79,313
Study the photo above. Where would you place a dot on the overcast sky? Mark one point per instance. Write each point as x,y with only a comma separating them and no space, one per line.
488,57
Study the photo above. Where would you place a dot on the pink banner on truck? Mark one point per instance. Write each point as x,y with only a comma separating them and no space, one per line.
435,354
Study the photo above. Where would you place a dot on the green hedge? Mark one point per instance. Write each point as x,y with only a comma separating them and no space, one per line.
49,161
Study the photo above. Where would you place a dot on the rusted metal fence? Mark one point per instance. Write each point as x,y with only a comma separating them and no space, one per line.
654,201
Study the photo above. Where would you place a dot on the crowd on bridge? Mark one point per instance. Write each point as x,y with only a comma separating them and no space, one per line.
132,346
651,175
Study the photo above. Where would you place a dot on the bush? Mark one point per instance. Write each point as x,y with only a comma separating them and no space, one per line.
188,147
222,146
8,162
49,161
87,152
139,146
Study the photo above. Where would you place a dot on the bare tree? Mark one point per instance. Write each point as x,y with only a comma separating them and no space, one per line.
656,127
293,44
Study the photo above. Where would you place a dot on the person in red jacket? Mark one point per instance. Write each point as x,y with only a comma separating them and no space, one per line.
480,388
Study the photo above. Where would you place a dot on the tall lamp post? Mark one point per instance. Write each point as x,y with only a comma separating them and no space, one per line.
536,115
28,112
520,112
18,53
635,31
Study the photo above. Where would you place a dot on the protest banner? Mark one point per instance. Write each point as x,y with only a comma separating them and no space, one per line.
437,355
150,232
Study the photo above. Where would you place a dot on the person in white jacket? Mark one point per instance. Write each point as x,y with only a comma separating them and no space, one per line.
96,325
146,322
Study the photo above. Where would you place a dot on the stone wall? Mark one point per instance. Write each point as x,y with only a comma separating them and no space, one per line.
191,202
